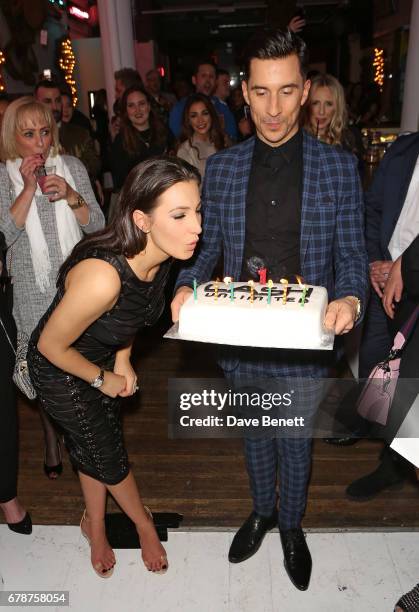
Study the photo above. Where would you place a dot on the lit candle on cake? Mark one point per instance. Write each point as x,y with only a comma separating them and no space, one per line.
251,284
195,290
262,275
284,281
229,282
270,285
304,288
216,289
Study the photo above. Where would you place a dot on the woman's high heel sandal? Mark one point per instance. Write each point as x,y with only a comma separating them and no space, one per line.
163,558
102,573
24,526
53,469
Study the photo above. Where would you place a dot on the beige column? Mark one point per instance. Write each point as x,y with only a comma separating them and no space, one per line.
410,110
117,35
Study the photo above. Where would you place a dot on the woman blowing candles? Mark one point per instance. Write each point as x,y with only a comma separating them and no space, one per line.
79,355
326,117
201,135
40,225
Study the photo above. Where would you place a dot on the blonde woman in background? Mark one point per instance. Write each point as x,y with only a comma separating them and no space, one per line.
40,226
325,115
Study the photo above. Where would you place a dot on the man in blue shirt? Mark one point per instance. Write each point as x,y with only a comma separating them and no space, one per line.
204,81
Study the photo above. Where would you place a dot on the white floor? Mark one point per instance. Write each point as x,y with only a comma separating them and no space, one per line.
366,572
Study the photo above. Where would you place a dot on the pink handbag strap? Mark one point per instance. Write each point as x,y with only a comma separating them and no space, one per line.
404,334
399,341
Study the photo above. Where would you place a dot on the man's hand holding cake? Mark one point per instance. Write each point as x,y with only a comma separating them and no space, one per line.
342,314
180,298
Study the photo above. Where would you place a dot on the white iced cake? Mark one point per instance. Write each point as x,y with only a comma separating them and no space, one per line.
283,316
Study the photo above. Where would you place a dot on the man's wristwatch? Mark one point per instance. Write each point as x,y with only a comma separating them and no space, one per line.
99,380
357,307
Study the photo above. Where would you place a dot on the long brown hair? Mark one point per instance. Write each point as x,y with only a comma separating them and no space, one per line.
216,134
144,185
130,136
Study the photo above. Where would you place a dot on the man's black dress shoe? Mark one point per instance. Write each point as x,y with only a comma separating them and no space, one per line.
391,473
24,526
297,558
249,537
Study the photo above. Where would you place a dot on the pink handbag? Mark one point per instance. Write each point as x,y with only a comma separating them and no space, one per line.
376,398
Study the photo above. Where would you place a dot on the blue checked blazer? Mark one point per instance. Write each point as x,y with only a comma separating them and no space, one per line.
332,244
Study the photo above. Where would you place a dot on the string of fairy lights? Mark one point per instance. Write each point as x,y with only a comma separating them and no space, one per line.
67,62
2,60
378,66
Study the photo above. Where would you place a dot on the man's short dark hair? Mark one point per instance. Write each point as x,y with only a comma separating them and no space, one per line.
203,62
66,91
128,77
275,44
222,71
48,84
151,72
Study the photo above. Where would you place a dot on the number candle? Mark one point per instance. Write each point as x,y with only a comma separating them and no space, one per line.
284,282
270,285
262,275
252,290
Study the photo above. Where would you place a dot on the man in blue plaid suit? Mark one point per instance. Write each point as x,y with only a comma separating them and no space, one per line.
324,202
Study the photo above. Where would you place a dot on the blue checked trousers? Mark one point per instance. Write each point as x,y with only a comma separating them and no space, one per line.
286,460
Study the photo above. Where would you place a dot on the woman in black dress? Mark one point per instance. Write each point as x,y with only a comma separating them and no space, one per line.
79,357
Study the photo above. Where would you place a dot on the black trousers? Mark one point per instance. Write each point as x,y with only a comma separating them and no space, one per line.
8,414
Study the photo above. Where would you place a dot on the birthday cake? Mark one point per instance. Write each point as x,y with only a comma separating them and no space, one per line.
274,315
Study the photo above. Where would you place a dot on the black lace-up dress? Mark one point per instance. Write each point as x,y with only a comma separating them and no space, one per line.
89,419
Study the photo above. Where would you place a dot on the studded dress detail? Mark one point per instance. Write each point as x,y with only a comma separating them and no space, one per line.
90,419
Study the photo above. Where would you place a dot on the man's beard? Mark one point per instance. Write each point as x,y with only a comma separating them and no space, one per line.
57,116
